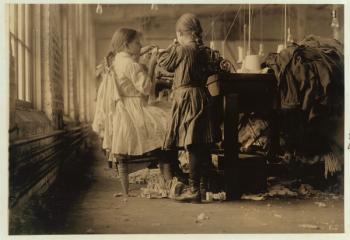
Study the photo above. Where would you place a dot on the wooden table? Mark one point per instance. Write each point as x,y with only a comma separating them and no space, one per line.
243,93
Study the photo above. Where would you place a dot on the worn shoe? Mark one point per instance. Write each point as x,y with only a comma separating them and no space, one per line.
204,187
189,196
110,164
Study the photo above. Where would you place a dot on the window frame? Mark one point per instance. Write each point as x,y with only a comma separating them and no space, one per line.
22,41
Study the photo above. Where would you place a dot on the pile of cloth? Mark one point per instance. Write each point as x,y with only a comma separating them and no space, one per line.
254,134
156,185
159,187
310,75
332,160
281,191
310,80
288,188
142,176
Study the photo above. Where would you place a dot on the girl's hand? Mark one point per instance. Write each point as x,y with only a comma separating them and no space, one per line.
173,44
148,48
154,53
152,63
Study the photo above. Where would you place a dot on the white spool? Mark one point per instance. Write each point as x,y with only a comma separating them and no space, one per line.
240,54
280,47
261,49
252,64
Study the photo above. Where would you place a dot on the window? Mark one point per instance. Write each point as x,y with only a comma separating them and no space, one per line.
21,49
65,56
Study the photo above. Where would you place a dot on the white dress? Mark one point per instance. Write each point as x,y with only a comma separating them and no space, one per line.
137,126
107,96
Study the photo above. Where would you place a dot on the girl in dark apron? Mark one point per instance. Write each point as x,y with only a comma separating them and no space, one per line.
190,126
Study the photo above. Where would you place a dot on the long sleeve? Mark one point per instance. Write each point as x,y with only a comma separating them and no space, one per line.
139,78
171,58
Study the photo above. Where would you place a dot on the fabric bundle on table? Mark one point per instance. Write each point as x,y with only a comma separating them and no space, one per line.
310,75
310,80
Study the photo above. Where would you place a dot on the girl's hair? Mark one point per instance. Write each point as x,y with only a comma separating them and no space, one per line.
188,23
122,37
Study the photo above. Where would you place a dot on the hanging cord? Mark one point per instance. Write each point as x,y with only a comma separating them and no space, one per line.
261,24
244,35
282,24
288,8
214,19
285,25
233,23
240,24
249,28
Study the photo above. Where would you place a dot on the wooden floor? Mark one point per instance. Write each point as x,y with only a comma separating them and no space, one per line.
84,203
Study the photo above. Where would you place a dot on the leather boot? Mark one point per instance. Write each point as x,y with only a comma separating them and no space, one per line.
110,164
178,173
204,187
192,194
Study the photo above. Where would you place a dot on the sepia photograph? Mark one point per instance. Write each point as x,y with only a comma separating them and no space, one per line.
174,118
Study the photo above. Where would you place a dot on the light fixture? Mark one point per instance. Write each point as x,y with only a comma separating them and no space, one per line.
335,22
290,37
261,49
99,9
154,7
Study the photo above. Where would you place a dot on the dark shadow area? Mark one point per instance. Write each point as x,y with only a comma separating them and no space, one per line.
46,213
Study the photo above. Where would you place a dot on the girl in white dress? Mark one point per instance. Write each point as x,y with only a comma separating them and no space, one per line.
138,127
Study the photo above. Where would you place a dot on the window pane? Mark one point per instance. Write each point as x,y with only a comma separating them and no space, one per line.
21,66
28,56
12,19
21,49
20,72
36,56
65,65
13,36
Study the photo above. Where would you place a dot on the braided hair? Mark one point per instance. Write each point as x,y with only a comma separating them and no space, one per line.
188,23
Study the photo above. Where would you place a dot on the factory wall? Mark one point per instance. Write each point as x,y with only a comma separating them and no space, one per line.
267,27
52,87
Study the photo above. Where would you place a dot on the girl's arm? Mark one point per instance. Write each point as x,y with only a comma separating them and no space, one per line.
147,48
152,63
141,77
171,57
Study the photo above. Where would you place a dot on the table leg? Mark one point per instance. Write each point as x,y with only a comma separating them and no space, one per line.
231,151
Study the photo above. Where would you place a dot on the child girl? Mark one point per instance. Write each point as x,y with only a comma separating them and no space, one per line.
138,127
190,126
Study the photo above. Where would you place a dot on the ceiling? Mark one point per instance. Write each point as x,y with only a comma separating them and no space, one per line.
129,12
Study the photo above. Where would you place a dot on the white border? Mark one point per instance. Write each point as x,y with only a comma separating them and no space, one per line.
4,108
